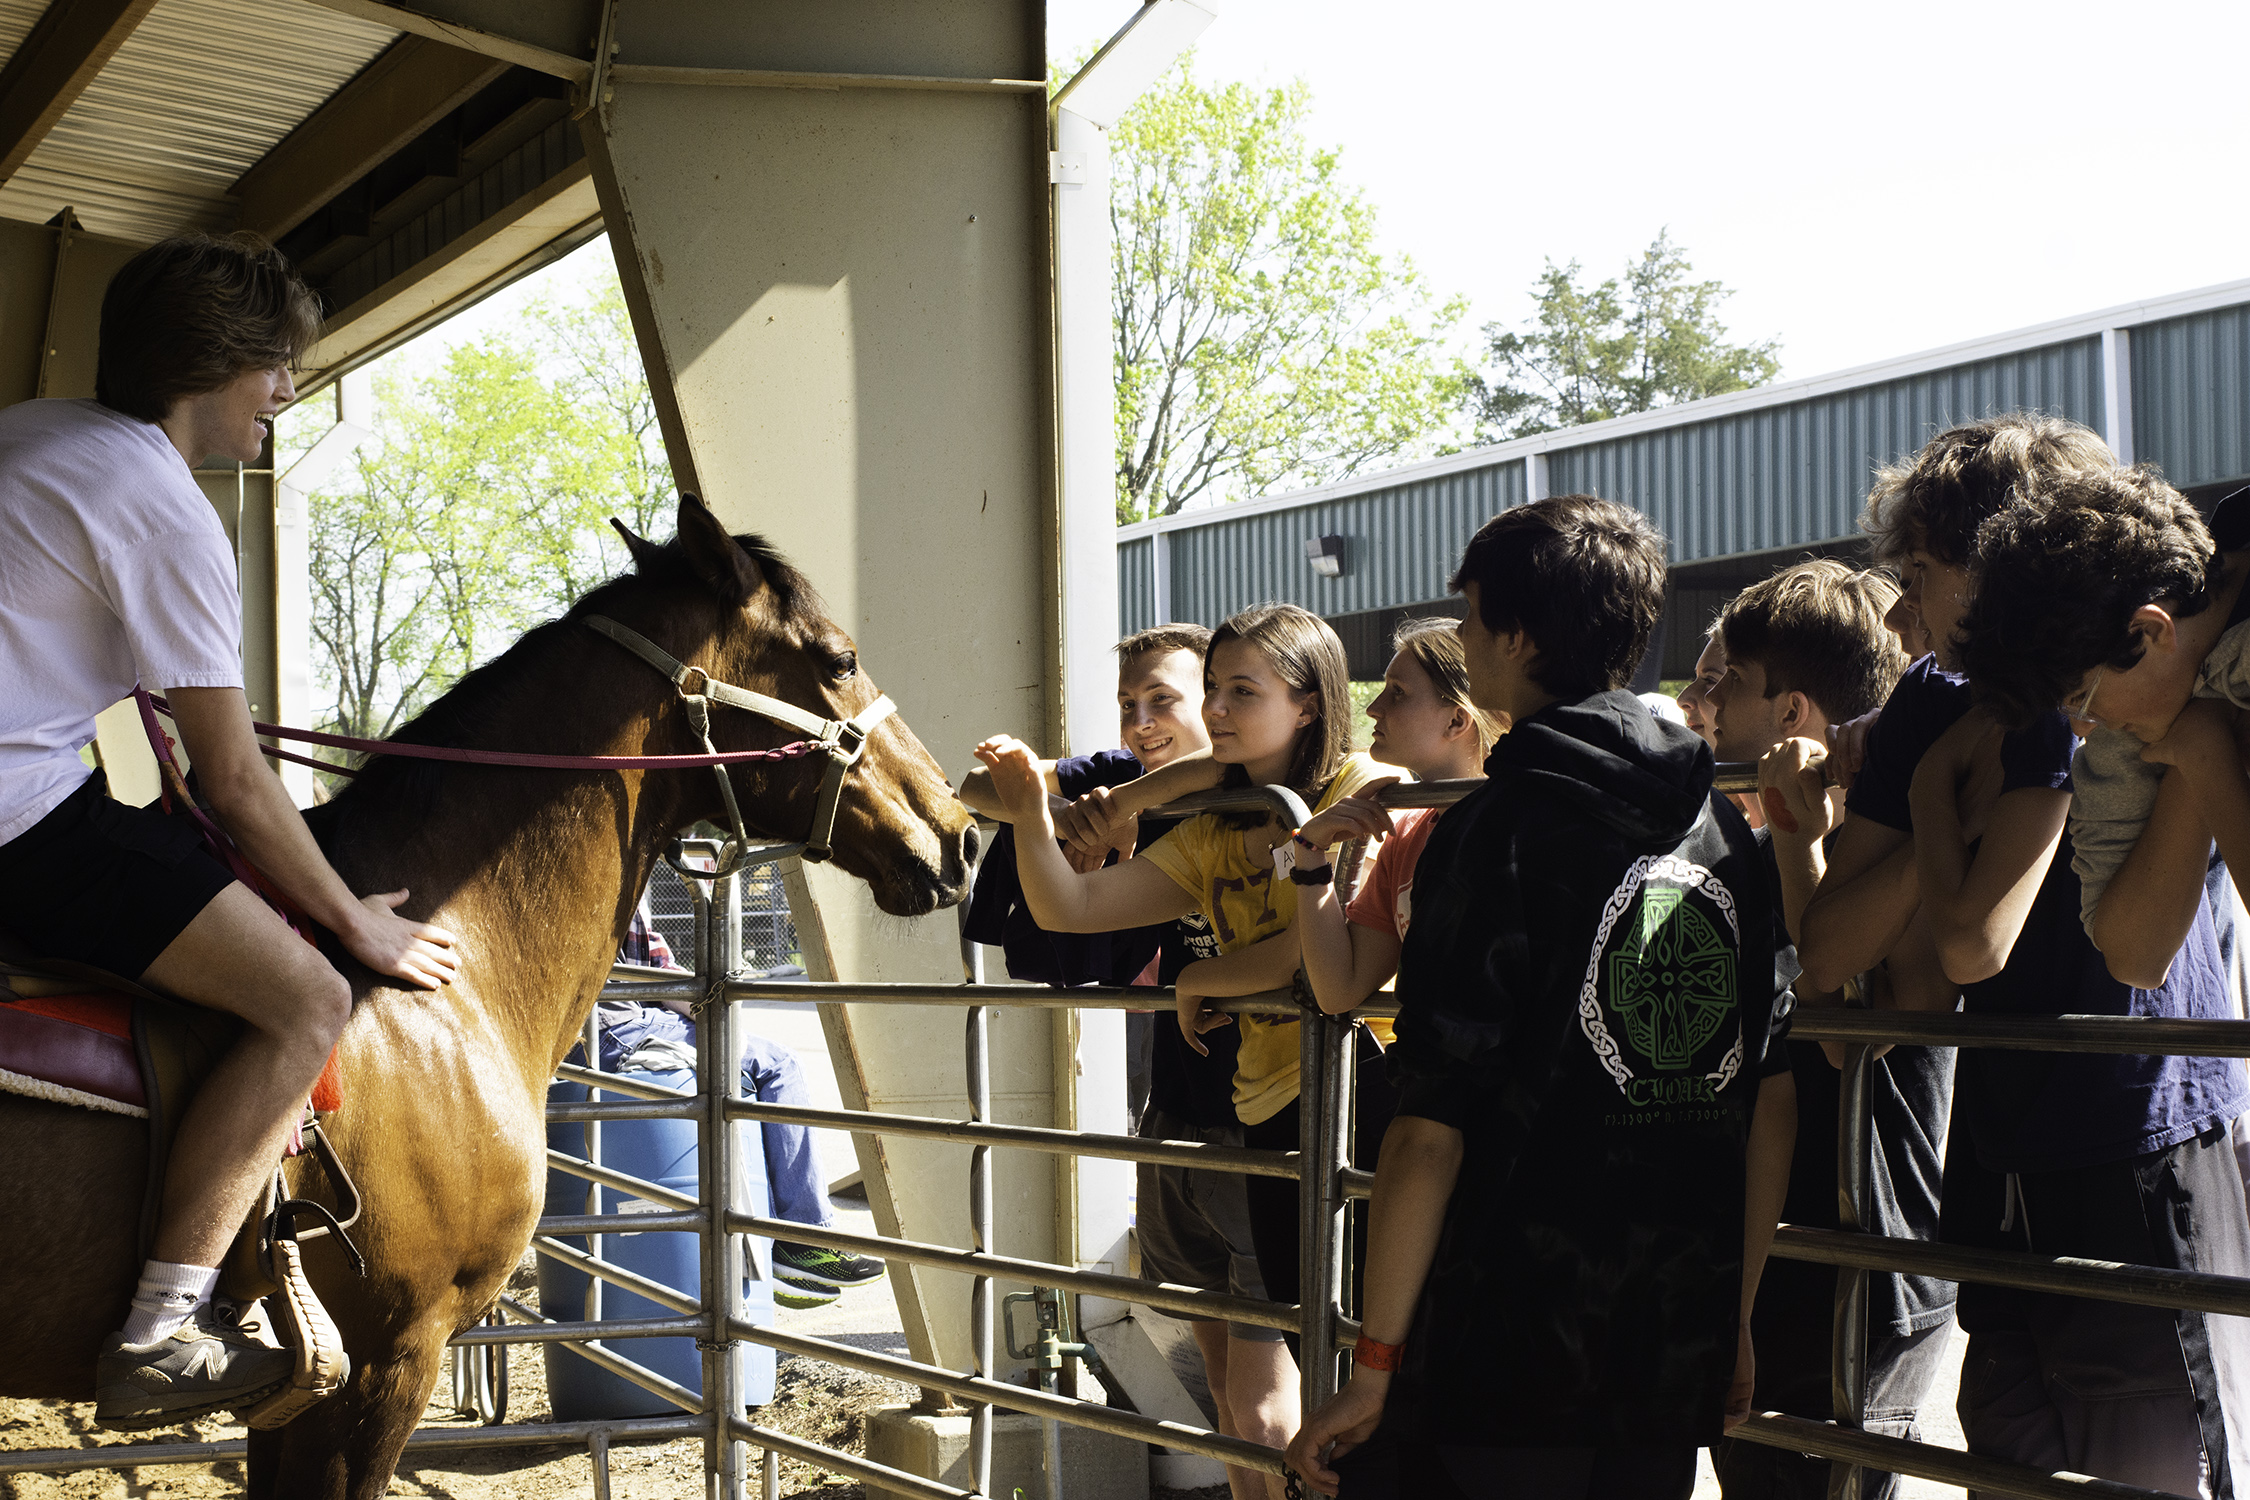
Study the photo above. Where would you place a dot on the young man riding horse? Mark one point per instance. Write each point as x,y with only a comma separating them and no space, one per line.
116,571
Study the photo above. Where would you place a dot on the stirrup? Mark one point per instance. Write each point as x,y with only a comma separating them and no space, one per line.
303,1325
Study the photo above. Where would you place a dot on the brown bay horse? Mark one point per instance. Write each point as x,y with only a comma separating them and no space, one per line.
536,872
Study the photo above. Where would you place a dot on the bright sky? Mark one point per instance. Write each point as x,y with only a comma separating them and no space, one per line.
1872,181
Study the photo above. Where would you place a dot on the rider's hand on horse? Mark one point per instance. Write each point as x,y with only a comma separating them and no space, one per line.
1348,1419
417,952
1016,780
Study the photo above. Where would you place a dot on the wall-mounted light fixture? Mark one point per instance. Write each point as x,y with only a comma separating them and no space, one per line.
1326,554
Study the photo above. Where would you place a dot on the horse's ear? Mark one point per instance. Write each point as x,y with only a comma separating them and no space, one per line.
718,559
644,551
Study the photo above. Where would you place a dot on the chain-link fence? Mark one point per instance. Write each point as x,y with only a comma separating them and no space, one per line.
769,937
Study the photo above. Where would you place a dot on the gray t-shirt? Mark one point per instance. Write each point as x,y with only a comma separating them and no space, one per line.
2113,789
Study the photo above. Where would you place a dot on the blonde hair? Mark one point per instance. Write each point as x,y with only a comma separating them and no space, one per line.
1435,646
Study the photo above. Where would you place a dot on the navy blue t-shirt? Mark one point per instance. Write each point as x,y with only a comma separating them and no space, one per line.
1182,1083
2043,1111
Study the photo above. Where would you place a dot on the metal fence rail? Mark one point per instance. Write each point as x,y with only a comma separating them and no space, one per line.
1328,1182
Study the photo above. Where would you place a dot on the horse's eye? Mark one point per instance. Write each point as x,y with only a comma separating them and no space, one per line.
844,668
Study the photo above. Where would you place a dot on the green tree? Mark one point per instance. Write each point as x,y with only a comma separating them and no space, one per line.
481,506
1594,352
1262,337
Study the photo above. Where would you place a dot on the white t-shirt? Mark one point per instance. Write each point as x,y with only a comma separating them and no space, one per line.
114,570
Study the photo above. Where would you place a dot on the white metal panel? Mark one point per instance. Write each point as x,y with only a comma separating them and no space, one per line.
197,94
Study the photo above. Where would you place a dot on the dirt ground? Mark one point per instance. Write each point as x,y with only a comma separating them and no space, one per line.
815,1401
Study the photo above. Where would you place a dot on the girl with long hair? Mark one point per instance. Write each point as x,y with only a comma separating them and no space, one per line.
1277,703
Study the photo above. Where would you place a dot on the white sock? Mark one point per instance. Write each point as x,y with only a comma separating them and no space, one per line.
168,1296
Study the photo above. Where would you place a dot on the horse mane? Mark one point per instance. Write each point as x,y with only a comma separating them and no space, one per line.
482,701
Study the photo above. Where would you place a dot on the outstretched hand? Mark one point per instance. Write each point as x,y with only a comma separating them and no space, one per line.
1348,1419
421,953
1016,781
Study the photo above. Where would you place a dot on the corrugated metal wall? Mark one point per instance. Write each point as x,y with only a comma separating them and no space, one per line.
2191,396
1400,542
1136,560
1757,480
1789,475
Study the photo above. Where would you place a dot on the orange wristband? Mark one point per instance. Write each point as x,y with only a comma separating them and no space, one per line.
1377,1356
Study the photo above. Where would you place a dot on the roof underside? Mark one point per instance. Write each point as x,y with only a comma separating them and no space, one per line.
196,95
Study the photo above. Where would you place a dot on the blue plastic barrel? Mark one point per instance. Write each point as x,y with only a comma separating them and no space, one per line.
663,1152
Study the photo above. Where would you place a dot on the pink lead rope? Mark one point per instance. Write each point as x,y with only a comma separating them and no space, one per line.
796,750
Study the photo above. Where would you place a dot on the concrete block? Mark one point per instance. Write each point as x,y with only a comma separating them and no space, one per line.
1096,1465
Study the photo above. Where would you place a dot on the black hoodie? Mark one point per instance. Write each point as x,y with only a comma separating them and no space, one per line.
1586,995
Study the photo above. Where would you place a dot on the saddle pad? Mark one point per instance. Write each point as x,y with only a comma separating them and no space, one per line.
78,1049
72,1049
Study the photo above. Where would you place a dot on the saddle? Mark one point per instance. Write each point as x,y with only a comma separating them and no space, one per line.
78,1035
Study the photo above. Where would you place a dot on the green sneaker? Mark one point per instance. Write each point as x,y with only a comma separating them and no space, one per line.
818,1263
207,1364
800,1292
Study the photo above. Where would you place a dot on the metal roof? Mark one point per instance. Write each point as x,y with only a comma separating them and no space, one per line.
200,91
1757,472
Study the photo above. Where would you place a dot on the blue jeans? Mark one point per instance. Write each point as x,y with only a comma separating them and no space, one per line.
771,1076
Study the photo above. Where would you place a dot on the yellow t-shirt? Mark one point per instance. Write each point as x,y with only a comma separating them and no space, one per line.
1245,904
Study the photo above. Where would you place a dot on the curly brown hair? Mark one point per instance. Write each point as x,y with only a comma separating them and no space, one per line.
189,314
1937,499
2059,575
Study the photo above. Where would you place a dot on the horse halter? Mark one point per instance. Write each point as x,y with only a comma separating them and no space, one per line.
843,741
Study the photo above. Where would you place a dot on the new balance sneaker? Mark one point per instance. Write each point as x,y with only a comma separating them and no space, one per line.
818,1263
207,1364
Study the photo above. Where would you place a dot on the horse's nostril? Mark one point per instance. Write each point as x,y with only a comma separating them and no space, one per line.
970,841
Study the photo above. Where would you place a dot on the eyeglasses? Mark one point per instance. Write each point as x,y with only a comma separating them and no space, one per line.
2083,709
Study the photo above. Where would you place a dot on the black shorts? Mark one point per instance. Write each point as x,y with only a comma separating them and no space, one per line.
100,883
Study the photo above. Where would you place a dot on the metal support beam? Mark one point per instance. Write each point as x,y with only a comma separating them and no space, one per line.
66,228
467,37
402,93
1160,577
71,43
1085,382
2117,392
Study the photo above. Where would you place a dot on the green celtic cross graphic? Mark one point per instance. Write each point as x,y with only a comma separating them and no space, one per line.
1673,987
